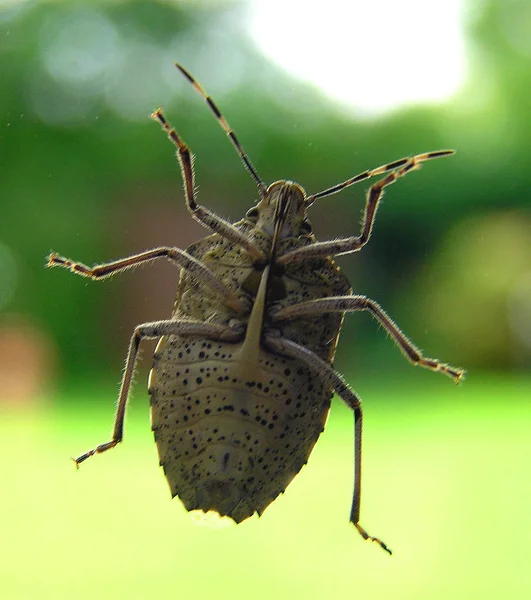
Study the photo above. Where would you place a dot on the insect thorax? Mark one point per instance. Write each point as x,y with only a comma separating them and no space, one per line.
297,282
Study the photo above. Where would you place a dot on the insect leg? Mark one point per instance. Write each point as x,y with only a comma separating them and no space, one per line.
177,256
374,195
155,330
345,392
204,216
354,303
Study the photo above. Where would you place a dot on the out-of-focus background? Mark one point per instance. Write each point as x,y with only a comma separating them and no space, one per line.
316,93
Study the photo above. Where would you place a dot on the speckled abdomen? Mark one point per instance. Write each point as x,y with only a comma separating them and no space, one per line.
232,435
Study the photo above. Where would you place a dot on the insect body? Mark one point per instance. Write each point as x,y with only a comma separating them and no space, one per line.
235,422
242,378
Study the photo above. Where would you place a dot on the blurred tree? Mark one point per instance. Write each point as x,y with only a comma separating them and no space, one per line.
86,174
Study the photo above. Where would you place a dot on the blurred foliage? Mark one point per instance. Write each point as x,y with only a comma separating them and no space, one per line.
85,173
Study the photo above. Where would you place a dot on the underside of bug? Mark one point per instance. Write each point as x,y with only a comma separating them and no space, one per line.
242,376
232,433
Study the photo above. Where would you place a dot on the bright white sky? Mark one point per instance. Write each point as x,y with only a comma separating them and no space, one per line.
373,56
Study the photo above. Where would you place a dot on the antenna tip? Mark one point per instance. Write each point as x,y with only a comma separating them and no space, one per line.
439,153
184,72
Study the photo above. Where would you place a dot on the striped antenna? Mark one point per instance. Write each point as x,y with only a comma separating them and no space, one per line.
412,162
226,127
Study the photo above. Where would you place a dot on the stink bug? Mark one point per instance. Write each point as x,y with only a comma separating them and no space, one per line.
242,375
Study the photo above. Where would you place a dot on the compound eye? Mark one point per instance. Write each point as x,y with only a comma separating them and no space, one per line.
306,228
252,214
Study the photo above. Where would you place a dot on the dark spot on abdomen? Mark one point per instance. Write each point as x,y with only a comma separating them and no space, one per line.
226,457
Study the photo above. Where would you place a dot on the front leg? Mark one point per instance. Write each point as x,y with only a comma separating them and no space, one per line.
155,330
204,216
345,392
355,243
319,306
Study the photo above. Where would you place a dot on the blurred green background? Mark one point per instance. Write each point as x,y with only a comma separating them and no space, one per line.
86,173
